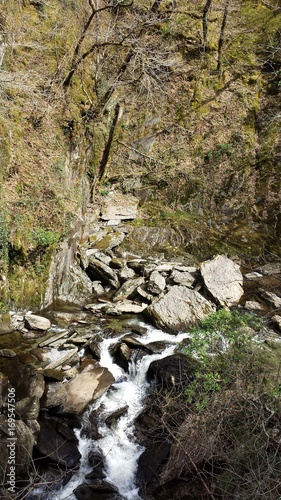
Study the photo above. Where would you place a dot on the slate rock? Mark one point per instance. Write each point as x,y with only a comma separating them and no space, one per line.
223,279
98,269
35,322
180,307
59,446
84,388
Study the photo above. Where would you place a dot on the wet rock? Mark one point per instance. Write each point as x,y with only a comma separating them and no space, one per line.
85,388
157,283
98,490
126,353
271,298
223,280
172,371
58,442
69,317
98,269
55,395
151,461
128,289
91,428
132,341
96,461
121,354
180,307
115,415
141,330
156,347
35,322
119,206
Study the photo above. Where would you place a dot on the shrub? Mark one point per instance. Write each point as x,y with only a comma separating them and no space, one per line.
43,238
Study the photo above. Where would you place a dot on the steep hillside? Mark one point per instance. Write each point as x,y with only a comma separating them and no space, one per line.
176,102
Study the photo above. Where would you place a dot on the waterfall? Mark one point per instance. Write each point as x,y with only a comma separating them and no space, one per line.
117,442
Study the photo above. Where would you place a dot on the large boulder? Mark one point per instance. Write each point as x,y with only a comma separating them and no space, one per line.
55,395
223,280
174,370
35,322
179,308
58,442
85,388
97,490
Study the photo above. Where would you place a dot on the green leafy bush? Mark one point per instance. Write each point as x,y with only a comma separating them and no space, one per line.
43,238
224,343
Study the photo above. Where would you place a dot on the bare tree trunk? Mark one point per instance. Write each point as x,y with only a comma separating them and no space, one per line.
76,59
206,9
222,35
73,66
109,141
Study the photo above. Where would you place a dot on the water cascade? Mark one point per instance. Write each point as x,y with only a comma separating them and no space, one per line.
117,443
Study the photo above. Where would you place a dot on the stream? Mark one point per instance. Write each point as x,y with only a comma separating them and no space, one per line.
117,443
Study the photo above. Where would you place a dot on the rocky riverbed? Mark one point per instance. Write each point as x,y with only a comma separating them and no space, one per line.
52,358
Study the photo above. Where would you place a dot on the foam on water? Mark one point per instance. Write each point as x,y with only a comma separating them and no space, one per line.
117,442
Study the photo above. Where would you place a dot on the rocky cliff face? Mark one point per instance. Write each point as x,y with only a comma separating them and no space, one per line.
177,104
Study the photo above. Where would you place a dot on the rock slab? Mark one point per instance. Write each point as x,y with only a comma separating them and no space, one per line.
223,279
180,307
35,322
84,388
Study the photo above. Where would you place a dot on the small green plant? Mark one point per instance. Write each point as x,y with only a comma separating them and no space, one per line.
43,238
104,192
219,151
223,342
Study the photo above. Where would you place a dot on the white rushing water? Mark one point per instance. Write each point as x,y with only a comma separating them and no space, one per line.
117,443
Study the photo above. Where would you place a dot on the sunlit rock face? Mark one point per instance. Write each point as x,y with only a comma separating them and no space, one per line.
223,280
